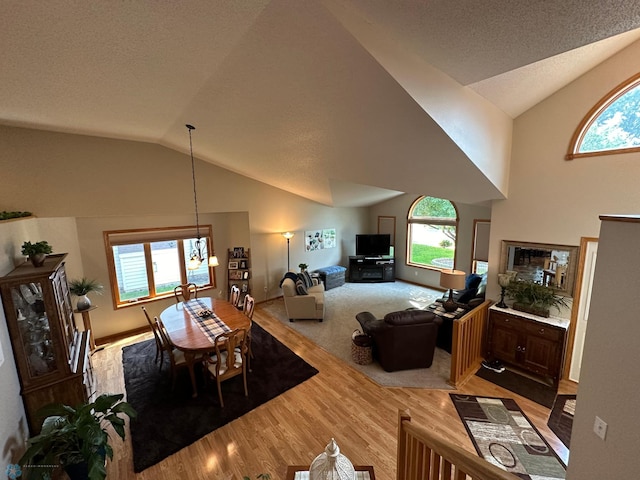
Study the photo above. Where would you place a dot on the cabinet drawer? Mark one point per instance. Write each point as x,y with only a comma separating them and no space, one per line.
545,331
505,321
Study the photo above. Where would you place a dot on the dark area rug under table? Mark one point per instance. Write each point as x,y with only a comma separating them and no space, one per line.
171,420
503,435
524,386
561,419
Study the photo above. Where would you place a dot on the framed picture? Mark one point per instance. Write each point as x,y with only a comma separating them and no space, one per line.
238,252
245,275
243,264
235,275
233,265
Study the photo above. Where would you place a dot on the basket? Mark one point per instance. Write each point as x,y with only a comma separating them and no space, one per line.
361,351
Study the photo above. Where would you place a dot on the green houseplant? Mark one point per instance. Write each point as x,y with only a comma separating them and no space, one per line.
303,266
36,252
81,288
534,298
76,438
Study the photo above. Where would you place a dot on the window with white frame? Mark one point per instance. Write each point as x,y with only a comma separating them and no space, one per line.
149,263
432,225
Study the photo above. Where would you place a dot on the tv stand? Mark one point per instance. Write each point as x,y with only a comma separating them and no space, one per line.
372,269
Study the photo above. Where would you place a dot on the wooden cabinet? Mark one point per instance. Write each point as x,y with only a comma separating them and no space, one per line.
531,343
51,354
239,270
371,269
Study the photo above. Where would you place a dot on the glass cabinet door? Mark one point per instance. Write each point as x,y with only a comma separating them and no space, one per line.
35,329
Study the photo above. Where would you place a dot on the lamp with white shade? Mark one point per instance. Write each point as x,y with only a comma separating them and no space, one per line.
453,280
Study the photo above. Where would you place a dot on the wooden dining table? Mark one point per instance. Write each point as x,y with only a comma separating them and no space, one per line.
187,336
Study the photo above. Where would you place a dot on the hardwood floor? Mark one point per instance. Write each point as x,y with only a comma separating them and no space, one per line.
293,428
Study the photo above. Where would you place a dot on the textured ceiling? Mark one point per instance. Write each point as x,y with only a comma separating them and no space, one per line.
283,91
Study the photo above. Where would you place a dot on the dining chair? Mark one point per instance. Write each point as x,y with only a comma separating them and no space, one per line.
156,335
176,357
185,292
230,359
234,297
247,309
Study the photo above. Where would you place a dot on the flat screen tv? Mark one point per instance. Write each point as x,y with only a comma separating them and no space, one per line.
373,245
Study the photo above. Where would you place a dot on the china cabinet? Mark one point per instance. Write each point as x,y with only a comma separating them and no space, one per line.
51,354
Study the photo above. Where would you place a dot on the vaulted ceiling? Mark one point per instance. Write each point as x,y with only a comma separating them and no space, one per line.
340,101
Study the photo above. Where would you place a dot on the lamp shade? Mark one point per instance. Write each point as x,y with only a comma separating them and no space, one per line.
504,279
452,279
331,465
288,235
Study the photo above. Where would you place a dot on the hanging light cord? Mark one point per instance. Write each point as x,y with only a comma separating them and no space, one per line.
193,174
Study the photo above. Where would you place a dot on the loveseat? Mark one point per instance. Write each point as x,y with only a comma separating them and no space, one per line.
309,305
402,340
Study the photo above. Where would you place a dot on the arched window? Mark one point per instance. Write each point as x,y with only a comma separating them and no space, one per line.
612,126
432,225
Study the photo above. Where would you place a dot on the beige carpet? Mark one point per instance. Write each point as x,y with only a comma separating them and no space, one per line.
334,333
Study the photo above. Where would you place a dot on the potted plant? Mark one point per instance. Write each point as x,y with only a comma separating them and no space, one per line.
76,438
303,266
534,298
81,288
36,252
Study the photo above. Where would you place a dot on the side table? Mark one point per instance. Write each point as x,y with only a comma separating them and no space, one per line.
301,472
86,322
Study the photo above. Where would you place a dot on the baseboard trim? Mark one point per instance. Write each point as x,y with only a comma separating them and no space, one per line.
121,335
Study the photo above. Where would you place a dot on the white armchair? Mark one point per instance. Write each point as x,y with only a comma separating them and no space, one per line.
303,306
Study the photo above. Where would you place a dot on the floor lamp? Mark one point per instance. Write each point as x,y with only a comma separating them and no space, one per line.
288,236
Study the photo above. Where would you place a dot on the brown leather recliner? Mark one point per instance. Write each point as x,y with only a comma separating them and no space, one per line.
402,340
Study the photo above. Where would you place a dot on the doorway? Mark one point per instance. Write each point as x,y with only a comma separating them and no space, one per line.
579,321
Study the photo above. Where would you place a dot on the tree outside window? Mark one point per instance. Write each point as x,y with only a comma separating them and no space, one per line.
432,232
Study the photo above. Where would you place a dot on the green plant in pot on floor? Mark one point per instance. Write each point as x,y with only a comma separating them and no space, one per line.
534,298
76,438
81,288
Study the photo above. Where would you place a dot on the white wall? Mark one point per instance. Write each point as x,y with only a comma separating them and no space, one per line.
556,201
103,184
610,375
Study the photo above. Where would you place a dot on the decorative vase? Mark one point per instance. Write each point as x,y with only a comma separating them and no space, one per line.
37,259
83,303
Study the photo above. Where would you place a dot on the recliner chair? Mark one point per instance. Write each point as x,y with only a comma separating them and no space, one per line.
402,340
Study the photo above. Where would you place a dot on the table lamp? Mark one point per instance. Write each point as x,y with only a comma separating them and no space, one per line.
453,280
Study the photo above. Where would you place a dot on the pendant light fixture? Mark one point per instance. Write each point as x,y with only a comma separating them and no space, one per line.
196,255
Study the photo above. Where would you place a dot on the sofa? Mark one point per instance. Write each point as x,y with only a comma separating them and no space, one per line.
402,340
299,305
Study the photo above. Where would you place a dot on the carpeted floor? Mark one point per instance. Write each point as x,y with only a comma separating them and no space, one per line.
171,420
341,306
561,418
525,386
503,435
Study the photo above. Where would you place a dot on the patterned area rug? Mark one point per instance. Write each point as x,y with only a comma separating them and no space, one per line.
561,419
334,333
504,436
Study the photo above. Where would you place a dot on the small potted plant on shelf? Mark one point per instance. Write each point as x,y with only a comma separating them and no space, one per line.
76,438
303,266
81,288
37,252
534,298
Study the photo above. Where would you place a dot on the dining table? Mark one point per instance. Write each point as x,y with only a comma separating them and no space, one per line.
192,326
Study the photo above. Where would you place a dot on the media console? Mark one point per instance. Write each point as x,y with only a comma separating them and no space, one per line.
372,269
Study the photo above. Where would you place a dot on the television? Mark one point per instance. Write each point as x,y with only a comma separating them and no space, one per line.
373,245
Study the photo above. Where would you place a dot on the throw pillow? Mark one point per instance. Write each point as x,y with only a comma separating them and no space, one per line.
306,278
472,281
301,288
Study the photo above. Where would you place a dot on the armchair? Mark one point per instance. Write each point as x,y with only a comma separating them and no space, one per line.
300,306
402,340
